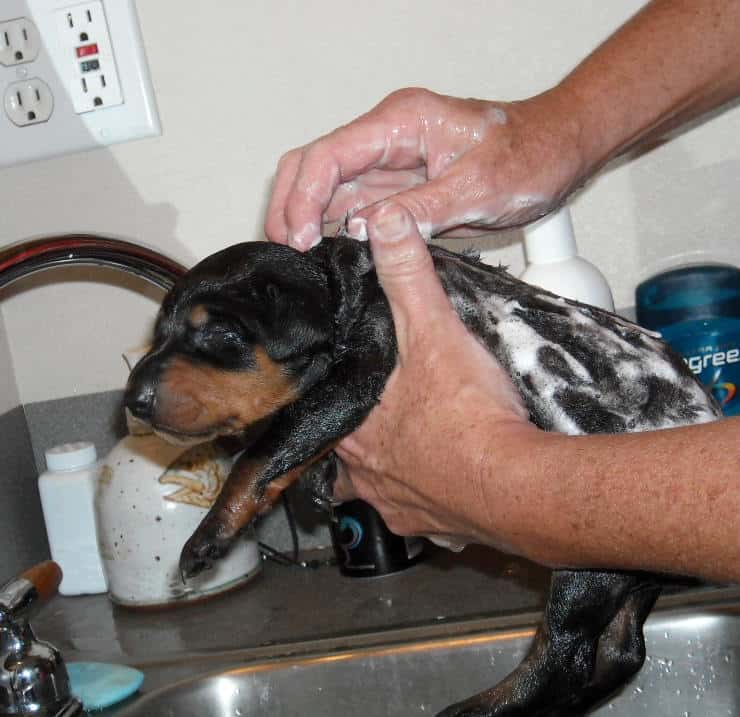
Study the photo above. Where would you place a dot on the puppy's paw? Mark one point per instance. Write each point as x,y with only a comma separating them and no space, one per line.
200,552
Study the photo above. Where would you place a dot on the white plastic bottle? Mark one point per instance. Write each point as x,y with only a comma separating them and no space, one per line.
553,262
67,490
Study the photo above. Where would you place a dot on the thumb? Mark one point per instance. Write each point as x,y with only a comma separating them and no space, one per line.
406,272
433,204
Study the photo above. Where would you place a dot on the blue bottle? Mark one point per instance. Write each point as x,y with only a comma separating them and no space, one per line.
697,310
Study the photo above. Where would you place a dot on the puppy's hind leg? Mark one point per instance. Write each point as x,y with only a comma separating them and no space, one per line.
557,676
621,650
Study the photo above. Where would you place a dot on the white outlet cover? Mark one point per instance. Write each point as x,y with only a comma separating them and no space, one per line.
67,131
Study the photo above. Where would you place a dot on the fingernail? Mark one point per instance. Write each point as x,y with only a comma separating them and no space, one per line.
357,228
391,223
306,238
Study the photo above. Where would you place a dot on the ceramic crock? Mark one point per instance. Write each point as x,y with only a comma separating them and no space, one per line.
150,498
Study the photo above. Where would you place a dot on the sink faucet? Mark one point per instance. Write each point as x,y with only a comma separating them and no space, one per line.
30,257
33,676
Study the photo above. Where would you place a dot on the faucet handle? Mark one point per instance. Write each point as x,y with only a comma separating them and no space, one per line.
24,595
33,676
46,578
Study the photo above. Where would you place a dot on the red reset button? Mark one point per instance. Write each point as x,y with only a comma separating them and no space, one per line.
85,50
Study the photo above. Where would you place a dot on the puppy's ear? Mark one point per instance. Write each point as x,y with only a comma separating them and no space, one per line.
295,317
350,272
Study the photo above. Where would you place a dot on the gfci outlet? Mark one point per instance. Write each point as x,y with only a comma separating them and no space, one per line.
92,77
73,76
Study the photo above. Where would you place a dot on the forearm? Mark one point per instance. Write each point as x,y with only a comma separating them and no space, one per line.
673,61
663,501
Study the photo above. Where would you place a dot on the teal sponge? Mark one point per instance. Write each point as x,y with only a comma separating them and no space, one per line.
98,685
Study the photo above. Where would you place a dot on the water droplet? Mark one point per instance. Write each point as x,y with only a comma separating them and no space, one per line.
666,634
238,712
678,692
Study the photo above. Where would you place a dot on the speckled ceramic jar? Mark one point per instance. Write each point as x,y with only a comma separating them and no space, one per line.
150,498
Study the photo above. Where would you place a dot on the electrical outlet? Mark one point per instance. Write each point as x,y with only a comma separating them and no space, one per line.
91,70
104,48
28,102
19,42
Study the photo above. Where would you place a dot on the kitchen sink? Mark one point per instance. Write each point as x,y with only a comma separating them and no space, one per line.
692,668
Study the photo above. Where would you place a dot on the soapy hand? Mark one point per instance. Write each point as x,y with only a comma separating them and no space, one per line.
412,459
452,163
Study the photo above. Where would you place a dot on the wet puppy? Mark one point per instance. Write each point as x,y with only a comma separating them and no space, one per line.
289,352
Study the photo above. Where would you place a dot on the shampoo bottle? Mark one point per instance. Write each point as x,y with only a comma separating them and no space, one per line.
553,262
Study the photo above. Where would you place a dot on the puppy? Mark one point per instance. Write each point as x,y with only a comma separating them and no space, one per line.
289,352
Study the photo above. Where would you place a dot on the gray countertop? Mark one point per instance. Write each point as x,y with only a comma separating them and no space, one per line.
285,605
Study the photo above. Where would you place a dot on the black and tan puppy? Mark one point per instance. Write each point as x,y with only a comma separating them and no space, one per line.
291,351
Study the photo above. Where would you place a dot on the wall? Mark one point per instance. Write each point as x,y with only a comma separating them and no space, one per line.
9,398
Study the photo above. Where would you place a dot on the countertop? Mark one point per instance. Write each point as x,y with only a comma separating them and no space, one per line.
288,605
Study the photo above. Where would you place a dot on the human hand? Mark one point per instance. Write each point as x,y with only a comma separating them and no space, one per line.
453,163
422,456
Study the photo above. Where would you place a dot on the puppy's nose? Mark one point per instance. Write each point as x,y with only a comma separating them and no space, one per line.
139,400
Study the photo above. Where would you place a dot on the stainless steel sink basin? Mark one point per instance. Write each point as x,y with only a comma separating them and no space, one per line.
693,668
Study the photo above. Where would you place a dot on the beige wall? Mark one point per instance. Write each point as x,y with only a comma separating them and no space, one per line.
239,82
9,398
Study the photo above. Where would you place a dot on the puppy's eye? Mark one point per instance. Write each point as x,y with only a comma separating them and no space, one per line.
222,342
224,330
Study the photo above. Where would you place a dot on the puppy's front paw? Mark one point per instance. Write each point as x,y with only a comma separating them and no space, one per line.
200,552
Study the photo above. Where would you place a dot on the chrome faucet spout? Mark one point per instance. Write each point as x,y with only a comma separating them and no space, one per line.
30,257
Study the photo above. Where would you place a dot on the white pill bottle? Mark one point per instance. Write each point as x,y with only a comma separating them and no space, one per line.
67,490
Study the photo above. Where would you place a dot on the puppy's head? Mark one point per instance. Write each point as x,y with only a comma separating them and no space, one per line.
238,337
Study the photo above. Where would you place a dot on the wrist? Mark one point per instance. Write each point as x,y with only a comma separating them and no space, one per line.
514,490
560,129
585,134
